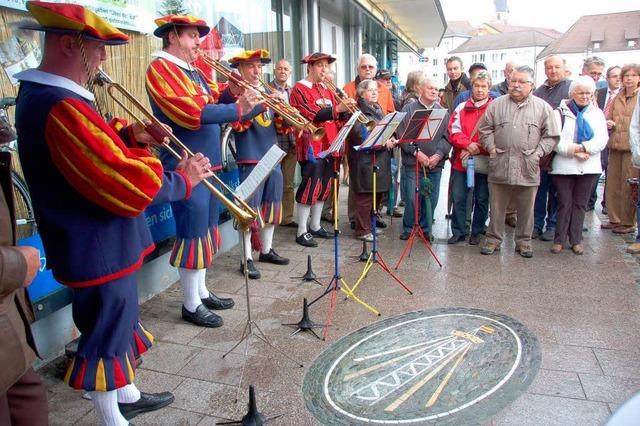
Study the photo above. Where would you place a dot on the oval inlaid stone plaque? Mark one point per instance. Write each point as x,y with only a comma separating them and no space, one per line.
444,366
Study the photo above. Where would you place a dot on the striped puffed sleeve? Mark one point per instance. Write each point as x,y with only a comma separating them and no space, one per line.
95,161
179,98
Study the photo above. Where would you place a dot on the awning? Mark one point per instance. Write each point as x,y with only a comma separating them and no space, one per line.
418,23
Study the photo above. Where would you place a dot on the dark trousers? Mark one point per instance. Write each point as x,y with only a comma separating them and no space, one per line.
573,195
546,203
479,206
25,403
364,206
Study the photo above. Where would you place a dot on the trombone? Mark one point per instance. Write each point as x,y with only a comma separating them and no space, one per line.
242,212
289,113
370,124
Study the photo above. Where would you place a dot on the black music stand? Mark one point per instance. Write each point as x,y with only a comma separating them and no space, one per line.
337,282
422,126
375,142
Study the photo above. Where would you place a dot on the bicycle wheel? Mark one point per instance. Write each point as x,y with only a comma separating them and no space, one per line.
25,218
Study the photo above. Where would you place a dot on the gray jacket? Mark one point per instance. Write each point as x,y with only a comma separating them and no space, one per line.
521,134
439,145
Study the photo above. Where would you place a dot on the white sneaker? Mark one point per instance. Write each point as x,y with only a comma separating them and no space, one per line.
367,237
379,231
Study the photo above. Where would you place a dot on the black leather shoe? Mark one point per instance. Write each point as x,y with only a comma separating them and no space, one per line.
254,274
147,402
215,302
405,236
273,257
380,223
321,233
306,240
202,317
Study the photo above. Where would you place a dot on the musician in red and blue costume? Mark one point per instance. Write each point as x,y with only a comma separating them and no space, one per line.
185,99
90,182
318,104
255,134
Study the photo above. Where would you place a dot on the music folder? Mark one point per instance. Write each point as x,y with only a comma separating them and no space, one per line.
336,145
382,132
260,172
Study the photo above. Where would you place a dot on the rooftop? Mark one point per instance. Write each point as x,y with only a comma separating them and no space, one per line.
507,40
611,30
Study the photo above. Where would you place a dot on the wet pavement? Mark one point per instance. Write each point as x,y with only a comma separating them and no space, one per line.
584,311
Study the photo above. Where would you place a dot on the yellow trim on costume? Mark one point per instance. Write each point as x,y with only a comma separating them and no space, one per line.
130,372
101,379
146,333
200,255
179,253
67,376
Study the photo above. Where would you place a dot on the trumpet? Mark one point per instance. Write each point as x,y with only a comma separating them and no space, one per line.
238,208
287,112
340,95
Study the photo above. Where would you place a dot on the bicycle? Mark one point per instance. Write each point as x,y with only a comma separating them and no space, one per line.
25,217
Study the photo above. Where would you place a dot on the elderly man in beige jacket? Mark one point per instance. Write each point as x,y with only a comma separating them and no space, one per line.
517,130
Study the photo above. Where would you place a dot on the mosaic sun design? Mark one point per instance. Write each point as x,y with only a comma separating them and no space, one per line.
444,366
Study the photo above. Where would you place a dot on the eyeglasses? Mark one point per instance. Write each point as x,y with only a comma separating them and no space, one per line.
367,67
585,94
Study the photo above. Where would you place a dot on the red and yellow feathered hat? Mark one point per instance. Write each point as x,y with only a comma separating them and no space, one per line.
73,19
318,56
165,23
261,55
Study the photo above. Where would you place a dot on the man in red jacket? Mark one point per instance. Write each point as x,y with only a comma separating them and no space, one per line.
464,139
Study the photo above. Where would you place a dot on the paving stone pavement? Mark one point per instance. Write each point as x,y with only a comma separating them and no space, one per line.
584,310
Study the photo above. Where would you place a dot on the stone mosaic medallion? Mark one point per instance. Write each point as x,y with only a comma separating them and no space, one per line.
449,366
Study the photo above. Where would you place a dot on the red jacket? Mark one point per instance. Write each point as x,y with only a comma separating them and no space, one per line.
461,124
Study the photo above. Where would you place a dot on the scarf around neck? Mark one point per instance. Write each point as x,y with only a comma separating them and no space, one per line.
584,132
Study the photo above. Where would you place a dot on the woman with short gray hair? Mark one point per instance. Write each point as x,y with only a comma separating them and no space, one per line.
576,165
361,163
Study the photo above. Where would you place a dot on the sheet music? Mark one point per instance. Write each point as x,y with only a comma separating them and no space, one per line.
382,132
337,143
260,172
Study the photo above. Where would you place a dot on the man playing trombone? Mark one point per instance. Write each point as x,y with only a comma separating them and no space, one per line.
317,103
254,134
90,182
186,100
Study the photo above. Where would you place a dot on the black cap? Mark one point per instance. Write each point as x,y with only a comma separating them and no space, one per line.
383,75
477,65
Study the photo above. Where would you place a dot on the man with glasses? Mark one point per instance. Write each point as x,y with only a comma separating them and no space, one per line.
593,67
367,67
517,131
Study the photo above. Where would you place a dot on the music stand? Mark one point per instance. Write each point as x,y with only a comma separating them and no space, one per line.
337,282
374,142
422,126
245,190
